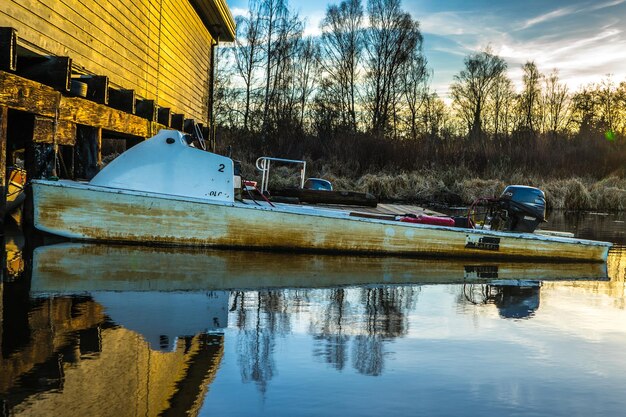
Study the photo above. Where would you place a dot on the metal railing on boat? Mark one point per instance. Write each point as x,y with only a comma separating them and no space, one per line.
263,165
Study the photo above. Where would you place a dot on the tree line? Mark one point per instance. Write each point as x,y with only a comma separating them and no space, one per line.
359,96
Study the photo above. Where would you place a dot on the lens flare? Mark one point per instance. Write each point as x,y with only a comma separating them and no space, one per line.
609,135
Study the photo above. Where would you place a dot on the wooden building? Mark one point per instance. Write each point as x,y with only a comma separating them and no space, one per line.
76,72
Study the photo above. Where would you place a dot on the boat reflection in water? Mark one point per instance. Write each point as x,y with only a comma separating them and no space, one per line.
142,329
74,268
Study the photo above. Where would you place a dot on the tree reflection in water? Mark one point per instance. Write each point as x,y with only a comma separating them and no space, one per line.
331,342
261,315
347,324
386,317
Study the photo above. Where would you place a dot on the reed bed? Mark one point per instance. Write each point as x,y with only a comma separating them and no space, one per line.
608,194
458,186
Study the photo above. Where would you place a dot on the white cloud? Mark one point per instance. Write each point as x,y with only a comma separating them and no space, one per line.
313,21
451,24
580,61
583,51
239,11
555,14
606,5
567,11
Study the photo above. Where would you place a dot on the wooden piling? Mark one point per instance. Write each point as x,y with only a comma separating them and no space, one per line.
189,126
45,131
4,115
88,152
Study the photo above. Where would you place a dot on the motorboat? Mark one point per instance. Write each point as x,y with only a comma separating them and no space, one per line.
165,191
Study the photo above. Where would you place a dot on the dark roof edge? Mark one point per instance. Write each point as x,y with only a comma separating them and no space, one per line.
217,18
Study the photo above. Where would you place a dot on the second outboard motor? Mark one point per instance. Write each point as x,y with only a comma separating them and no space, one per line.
522,208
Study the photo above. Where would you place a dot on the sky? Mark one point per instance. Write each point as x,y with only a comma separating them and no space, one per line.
585,40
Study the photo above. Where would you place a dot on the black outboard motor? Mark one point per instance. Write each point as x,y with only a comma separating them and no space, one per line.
522,208
517,301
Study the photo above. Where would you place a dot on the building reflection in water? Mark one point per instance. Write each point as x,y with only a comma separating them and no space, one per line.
65,352
143,328
71,356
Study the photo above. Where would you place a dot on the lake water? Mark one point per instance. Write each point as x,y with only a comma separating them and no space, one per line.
96,330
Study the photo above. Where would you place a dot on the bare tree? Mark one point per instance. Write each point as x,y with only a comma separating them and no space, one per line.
326,111
341,47
392,38
502,99
247,53
435,115
607,97
282,32
472,86
415,88
306,71
557,103
274,14
530,98
226,95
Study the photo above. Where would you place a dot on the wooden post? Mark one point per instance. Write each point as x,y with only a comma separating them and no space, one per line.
165,116
8,49
97,88
178,121
188,126
88,152
146,109
123,100
53,71
97,138
44,131
4,115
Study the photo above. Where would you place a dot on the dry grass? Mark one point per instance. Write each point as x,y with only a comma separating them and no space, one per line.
473,188
609,192
459,186
571,194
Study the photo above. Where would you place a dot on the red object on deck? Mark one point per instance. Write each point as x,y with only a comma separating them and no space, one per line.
424,219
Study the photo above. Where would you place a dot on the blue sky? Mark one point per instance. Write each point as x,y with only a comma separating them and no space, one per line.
584,39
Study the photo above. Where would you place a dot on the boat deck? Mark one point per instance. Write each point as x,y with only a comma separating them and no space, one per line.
382,210
394,209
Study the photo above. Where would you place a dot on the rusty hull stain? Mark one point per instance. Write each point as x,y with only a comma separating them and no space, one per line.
122,217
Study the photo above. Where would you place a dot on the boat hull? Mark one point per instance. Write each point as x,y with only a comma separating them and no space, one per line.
84,212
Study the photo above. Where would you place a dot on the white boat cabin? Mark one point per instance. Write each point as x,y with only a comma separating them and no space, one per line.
167,164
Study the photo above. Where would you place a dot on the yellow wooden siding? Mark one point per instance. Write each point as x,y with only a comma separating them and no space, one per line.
159,48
